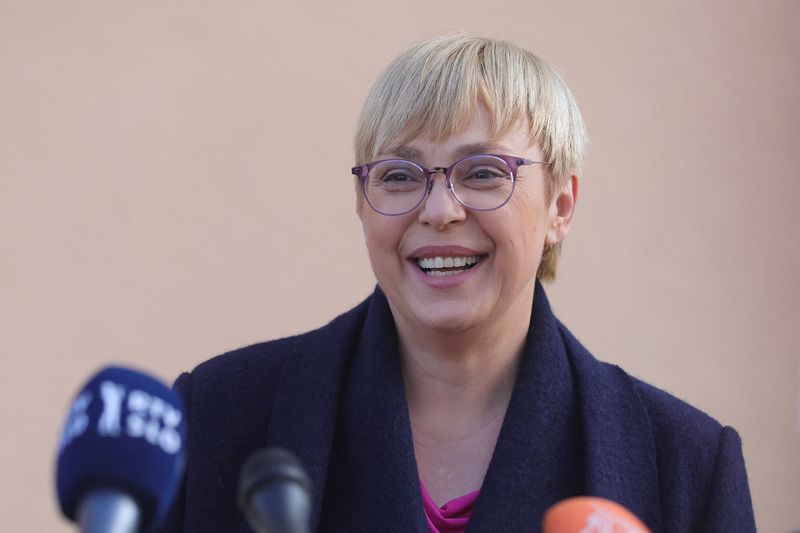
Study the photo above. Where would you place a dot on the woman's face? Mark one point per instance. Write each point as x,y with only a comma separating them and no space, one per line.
507,242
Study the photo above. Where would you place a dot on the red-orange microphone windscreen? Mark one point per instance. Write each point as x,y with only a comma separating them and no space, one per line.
588,514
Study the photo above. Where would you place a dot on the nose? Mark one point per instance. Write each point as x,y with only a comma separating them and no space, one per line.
440,208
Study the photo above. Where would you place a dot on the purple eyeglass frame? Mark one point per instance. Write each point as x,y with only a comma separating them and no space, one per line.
513,163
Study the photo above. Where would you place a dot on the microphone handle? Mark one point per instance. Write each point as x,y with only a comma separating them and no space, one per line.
108,511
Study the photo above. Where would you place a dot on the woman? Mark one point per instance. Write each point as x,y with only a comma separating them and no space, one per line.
454,382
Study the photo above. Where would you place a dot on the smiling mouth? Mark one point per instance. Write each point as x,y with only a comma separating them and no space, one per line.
441,266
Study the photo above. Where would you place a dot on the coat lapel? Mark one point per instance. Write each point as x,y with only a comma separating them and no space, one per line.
538,459
373,484
341,409
304,415
574,426
620,450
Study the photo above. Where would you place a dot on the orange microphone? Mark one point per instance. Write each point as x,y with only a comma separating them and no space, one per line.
588,514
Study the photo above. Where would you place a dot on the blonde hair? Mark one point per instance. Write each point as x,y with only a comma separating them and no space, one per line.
432,89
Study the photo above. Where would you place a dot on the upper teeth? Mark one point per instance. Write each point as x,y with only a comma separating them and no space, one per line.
447,262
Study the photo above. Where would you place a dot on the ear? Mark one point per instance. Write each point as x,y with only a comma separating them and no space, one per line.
562,207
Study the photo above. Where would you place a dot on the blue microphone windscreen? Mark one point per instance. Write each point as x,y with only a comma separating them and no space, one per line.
125,430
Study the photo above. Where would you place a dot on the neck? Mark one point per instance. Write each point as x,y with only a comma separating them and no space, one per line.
460,382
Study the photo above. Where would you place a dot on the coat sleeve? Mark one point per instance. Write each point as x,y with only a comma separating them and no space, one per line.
728,506
174,522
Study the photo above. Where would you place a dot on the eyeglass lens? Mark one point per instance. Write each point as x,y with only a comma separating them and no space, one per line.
397,186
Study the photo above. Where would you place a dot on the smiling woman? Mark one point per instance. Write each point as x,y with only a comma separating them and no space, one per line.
452,398
492,299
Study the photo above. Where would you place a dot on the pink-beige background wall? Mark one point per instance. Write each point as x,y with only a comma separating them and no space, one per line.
174,183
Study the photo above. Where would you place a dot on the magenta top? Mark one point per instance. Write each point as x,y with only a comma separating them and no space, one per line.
451,517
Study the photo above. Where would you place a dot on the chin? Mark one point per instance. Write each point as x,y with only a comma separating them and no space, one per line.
448,318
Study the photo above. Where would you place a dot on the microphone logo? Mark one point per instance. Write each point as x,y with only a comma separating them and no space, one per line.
145,417
155,420
603,521
112,395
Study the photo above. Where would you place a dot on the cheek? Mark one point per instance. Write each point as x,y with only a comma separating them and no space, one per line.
381,236
524,228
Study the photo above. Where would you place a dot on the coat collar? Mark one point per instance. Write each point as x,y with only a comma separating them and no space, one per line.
573,426
620,450
303,416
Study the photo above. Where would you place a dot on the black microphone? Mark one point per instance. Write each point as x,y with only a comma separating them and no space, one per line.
121,454
275,492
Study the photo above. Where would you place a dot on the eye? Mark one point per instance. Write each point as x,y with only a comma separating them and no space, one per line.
483,177
485,173
399,176
396,176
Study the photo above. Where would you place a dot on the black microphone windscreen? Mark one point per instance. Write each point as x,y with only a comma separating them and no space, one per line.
275,492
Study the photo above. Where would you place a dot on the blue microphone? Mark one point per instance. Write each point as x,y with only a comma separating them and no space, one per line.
121,454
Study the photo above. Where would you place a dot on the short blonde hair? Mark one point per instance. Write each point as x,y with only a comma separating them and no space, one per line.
432,89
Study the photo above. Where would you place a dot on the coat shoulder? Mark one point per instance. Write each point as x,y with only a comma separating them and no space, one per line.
701,467
669,415
259,365
671,418
229,402
233,394
702,482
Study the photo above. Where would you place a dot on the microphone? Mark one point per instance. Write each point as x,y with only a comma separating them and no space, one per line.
275,492
589,514
121,453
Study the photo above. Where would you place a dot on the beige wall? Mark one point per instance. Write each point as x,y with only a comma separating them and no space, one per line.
174,183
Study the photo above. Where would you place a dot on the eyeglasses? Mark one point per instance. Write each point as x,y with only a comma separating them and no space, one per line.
479,182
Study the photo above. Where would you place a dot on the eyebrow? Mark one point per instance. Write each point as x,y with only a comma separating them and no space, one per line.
405,152
409,152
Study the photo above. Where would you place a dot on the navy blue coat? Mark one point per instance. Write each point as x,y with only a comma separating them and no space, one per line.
574,426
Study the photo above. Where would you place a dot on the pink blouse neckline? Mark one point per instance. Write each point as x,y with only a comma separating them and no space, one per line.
452,517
